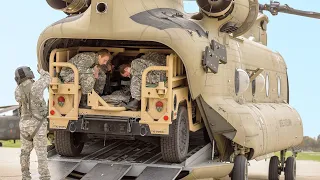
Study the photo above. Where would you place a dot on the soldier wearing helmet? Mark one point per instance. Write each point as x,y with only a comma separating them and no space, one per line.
33,121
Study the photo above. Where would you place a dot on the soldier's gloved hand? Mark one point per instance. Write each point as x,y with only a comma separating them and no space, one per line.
96,72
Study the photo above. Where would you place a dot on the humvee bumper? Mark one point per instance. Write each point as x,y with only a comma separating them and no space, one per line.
109,125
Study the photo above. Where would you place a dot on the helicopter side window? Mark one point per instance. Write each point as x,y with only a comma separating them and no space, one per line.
258,84
242,81
267,85
279,86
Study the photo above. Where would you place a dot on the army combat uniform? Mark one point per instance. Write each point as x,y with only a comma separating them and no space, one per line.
118,98
33,124
85,63
137,68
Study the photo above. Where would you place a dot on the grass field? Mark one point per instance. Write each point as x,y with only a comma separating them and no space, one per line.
314,156
11,144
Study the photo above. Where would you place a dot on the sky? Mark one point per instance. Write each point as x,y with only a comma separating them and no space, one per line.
296,38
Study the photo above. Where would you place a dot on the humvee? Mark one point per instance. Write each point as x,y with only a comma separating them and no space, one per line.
167,112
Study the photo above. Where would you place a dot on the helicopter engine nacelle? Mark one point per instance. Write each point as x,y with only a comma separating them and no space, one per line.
70,6
237,15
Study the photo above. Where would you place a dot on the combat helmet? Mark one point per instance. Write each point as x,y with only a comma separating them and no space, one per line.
23,73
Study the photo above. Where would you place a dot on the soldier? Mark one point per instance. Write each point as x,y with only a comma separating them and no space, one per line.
135,71
91,74
33,122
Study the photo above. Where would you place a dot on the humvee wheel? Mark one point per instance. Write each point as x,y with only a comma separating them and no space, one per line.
174,148
240,168
274,168
67,143
290,169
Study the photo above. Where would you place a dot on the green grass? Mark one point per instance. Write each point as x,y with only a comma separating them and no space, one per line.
313,156
11,144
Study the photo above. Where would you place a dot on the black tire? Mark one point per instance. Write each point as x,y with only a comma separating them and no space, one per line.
67,143
240,168
290,169
174,148
274,168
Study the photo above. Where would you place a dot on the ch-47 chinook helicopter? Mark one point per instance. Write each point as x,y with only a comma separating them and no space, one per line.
221,77
9,124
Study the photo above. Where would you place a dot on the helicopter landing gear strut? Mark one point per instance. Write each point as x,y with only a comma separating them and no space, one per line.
288,166
240,167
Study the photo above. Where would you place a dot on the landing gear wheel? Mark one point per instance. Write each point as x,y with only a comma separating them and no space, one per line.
240,168
290,169
174,148
67,143
274,168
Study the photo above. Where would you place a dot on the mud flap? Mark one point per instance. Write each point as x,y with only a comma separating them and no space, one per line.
159,173
107,172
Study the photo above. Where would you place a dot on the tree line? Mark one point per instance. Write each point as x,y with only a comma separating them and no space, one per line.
310,144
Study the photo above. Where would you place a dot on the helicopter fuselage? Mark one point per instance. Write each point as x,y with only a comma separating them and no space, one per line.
243,100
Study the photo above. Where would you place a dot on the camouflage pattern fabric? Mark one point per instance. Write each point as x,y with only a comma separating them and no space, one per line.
101,81
85,63
30,112
118,98
139,65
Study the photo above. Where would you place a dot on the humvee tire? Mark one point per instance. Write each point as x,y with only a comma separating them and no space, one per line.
274,168
174,148
67,143
240,168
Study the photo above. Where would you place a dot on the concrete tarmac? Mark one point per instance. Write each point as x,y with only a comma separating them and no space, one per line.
258,170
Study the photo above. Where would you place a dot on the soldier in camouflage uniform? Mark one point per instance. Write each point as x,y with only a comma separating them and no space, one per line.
118,98
91,67
33,122
135,71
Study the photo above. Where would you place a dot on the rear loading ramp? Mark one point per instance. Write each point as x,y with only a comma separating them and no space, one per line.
127,159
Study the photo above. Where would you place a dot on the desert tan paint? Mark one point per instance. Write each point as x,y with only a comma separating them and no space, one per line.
263,123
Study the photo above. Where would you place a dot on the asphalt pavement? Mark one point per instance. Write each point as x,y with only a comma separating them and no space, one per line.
258,170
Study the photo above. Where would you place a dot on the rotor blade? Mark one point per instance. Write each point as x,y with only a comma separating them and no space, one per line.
289,10
274,8
8,108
